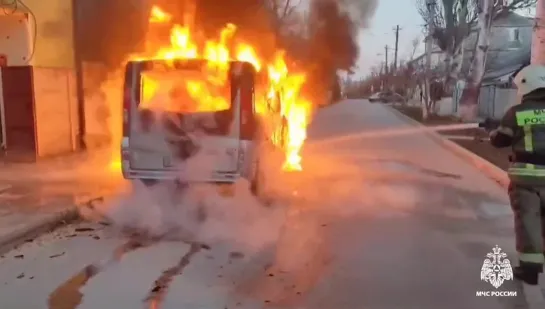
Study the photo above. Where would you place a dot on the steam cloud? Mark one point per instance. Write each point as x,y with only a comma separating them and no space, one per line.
331,42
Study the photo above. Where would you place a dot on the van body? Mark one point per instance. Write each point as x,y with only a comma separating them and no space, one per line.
172,140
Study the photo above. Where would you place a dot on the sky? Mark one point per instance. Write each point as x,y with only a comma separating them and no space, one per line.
381,32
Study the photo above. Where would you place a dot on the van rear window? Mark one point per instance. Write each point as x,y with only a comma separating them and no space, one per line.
185,91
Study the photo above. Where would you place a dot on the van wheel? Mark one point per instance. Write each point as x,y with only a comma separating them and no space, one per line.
149,182
257,185
254,187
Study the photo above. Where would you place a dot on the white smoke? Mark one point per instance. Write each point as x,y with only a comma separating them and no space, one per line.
196,212
188,209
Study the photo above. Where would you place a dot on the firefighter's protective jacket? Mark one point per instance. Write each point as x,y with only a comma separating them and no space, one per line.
523,128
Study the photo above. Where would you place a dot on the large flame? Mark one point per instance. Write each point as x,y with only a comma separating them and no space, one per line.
281,94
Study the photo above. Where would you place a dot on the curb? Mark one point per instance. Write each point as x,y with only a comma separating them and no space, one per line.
45,224
37,228
493,172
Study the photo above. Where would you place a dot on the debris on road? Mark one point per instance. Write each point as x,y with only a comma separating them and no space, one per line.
84,229
236,255
161,285
56,255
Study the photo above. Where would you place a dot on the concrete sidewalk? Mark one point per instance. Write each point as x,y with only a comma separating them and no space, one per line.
92,164
37,197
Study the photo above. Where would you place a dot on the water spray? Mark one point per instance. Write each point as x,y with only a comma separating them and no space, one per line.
395,132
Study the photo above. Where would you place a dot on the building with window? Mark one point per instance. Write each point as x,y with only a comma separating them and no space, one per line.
418,64
38,104
49,54
510,44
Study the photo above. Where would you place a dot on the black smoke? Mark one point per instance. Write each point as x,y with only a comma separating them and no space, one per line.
334,26
110,30
253,19
333,37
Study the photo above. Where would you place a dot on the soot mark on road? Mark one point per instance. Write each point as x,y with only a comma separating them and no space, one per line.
68,296
161,285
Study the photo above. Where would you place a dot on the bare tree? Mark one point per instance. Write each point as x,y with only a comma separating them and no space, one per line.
414,46
488,10
409,82
470,94
284,12
455,20
451,25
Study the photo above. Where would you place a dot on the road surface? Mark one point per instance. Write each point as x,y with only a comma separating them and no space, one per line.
379,223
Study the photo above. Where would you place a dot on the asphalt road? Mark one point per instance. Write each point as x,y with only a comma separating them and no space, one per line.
374,223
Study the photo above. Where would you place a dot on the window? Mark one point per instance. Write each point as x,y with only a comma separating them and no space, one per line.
188,100
515,35
514,38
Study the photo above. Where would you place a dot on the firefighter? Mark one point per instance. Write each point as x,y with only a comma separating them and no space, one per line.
523,128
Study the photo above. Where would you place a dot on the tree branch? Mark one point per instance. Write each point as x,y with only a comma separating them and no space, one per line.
513,5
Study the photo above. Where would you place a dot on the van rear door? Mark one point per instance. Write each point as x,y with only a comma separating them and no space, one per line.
169,123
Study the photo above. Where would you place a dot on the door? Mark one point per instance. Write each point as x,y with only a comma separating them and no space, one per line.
170,128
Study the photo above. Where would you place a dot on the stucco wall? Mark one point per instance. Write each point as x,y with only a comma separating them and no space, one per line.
52,81
56,111
54,41
15,41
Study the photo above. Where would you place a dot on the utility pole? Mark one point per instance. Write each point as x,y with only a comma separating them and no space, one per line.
538,39
430,4
386,59
397,47
386,71
429,41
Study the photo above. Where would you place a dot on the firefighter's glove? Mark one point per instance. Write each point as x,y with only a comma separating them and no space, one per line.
489,124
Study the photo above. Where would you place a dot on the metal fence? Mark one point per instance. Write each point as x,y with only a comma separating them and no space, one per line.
493,100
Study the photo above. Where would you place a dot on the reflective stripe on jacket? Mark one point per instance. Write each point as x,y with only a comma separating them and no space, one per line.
531,125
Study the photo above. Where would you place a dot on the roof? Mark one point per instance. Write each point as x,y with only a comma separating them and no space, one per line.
512,19
503,63
510,63
435,50
509,19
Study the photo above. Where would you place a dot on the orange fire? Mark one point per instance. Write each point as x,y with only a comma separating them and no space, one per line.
283,86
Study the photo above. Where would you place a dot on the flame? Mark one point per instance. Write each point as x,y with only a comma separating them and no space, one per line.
159,16
280,97
284,95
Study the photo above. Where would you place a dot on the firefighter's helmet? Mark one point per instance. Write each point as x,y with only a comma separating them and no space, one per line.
530,78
